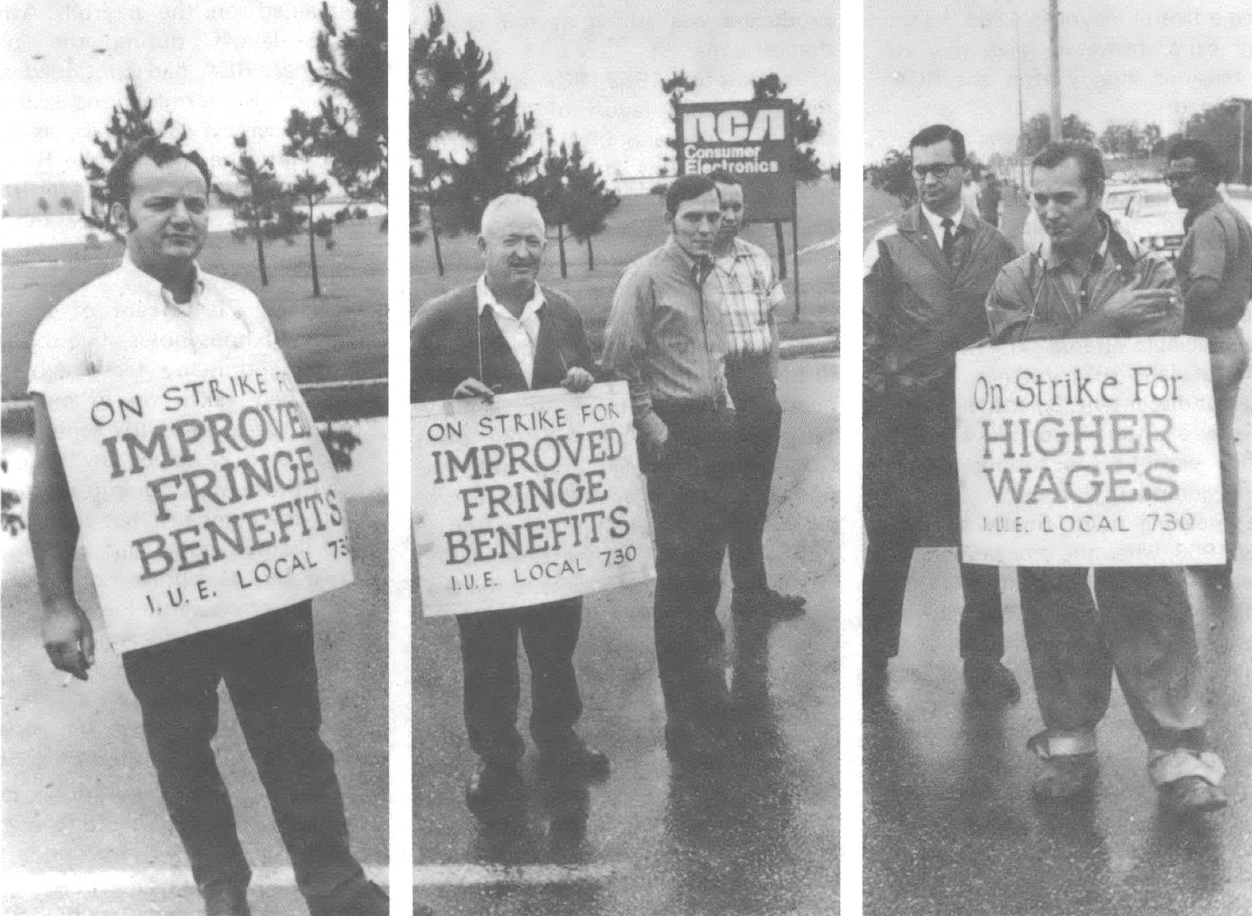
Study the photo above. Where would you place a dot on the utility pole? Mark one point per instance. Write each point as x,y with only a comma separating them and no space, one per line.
1021,112
1054,14
1243,113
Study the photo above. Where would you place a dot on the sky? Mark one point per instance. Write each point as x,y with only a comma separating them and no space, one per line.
594,72
1159,61
219,69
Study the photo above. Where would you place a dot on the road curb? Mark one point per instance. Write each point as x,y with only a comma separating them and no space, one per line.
790,349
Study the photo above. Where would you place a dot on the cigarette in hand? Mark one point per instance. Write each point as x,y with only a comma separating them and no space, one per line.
65,681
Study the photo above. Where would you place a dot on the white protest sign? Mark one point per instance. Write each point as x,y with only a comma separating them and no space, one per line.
1094,452
202,499
533,498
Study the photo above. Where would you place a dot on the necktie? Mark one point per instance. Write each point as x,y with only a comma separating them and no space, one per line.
949,238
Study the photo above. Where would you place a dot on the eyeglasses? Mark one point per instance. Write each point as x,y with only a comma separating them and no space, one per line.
939,170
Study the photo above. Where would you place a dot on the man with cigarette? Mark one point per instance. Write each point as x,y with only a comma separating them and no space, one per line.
1089,281
152,315
926,279
1215,272
507,333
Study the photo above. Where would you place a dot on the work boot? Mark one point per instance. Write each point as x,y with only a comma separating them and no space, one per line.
988,680
1065,776
1191,795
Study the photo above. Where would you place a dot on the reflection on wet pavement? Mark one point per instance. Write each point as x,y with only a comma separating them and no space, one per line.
950,824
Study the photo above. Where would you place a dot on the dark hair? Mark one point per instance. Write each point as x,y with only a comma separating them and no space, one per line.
119,184
721,176
937,133
688,187
1090,162
1206,159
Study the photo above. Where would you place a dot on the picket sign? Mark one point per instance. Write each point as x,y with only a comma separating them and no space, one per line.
202,499
1099,452
533,498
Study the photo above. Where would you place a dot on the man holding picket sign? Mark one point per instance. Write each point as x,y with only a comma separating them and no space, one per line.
1089,281
150,319
507,334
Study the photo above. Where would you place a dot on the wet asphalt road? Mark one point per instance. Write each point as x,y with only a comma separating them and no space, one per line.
757,836
80,795
950,827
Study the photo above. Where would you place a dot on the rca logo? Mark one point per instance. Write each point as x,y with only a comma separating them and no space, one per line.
734,126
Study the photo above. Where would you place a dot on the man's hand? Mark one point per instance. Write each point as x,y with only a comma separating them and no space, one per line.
68,639
653,434
578,380
1131,308
473,388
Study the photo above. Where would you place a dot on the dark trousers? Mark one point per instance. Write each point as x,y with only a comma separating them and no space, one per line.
492,689
758,422
688,491
268,665
1139,626
910,501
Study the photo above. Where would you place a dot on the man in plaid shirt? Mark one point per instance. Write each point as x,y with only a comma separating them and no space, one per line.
746,290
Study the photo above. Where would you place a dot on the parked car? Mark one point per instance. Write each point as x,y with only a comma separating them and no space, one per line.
1148,214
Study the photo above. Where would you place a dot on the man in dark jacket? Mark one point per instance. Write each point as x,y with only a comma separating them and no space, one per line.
507,334
926,280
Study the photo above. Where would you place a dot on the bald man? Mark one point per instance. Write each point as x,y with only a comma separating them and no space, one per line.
505,334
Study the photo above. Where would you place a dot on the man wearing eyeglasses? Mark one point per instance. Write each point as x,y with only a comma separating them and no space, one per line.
1215,271
926,279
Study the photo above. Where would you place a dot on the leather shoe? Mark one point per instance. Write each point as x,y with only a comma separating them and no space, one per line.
576,759
987,679
1066,776
767,603
492,787
1191,795
226,900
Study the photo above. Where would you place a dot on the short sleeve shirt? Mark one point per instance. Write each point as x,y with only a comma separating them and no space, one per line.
747,290
1219,246
125,323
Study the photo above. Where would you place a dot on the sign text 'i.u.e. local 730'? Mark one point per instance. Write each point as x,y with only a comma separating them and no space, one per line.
203,499
1093,452
535,497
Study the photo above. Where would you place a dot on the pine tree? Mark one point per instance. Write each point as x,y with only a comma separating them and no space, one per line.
434,92
305,136
128,123
498,160
588,200
807,167
550,189
352,66
676,87
263,206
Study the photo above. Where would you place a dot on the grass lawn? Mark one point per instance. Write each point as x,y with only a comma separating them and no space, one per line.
342,335
636,228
